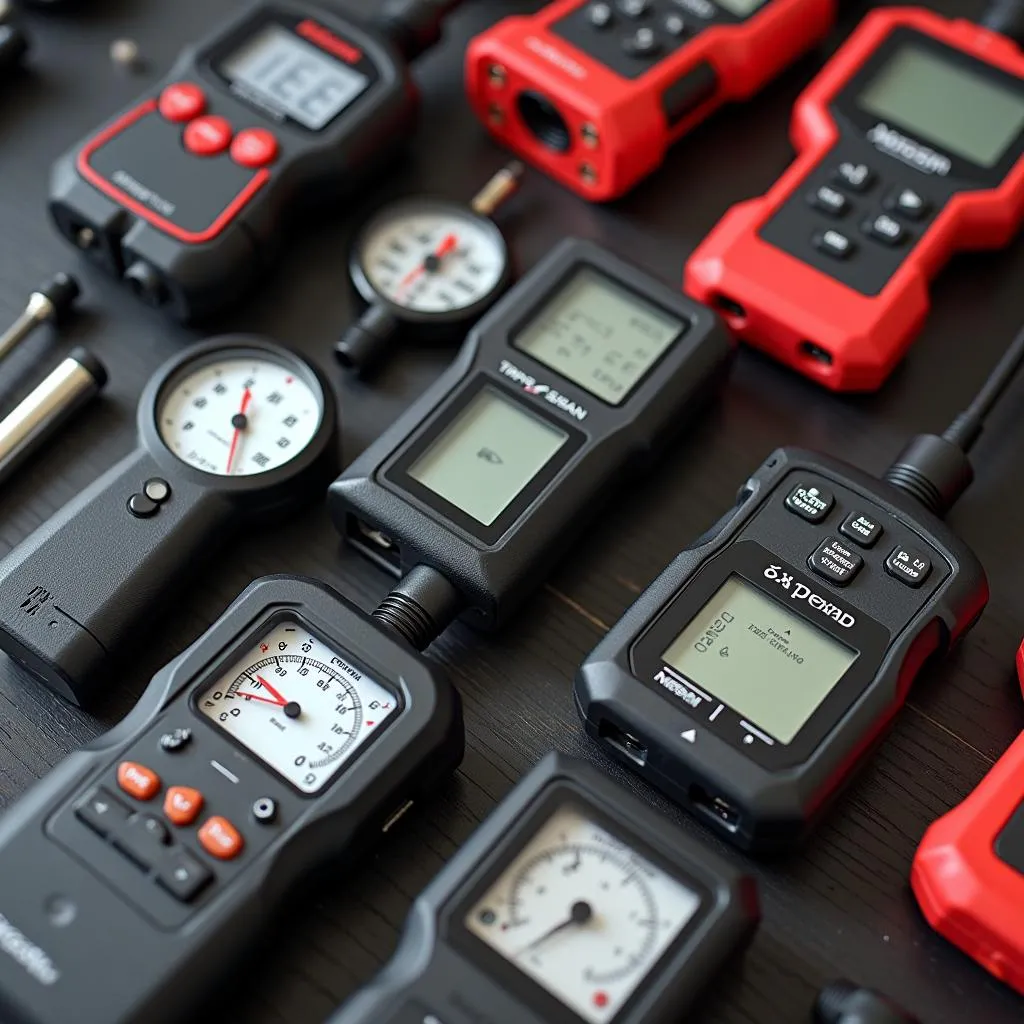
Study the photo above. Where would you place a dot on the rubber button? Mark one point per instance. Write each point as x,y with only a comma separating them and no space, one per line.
137,780
182,102
908,566
183,804
861,529
255,147
102,811
810,502
221,839
157,490
177,740
835,562
183,876
208,136
144,840
142,507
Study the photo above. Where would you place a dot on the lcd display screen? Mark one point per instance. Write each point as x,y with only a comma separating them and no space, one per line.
488,455
961,110
598,335
770,665
278,68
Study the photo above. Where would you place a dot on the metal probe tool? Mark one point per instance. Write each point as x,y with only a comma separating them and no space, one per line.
50,303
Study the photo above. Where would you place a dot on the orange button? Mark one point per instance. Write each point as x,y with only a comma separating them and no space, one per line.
182,102
208,136
182,804
137,780
221,839
255,148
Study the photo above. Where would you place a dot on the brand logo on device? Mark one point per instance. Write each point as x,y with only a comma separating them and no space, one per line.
533,387
910,152
27,954
802,592
555,56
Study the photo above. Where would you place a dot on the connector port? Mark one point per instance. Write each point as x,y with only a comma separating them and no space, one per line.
623,742
375,545
715,807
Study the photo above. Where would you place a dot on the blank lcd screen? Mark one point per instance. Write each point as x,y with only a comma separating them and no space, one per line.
599,335
956,108
768,664
487,456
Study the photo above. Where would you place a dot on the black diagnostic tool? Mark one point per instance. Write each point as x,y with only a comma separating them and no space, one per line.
764,665
576,378
290,734
187,194
234,432
574,903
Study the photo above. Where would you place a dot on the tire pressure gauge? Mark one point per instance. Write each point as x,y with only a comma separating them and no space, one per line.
427,268
572,904
232,432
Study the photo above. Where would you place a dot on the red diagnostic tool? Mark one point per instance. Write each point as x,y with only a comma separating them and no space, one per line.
910,149
968,873
594,93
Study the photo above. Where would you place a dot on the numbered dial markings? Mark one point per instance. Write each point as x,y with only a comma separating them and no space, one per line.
583,915
239,416
297,705
439,261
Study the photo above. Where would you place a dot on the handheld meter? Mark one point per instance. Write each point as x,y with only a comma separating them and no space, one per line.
595,93
968,873
186,195
233,432
573,903
910,149
582,372
288,735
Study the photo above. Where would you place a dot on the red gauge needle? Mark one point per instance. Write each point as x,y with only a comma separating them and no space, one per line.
239,422
448,245
291,708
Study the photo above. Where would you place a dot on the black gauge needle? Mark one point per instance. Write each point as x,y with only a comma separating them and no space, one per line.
580,913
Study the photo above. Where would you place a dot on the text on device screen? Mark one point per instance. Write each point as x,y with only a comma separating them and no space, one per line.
599,335
954,107
294,76
488,455
768,664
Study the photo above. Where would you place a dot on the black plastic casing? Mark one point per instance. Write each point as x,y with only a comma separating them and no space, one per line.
496,569
766,798
67,627
431,974
131,954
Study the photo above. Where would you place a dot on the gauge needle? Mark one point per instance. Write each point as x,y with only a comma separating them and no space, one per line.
292,708
239,421
579,914
432,263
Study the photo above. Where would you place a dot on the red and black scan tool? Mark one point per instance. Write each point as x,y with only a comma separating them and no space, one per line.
968,873
911,148
594,93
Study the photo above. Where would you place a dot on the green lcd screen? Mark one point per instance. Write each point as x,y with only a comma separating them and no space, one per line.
487,456
768,664
959,109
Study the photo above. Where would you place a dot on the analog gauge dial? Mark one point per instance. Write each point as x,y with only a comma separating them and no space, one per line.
583,915
239,415
299,706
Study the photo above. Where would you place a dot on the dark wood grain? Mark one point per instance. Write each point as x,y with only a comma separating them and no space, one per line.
843,906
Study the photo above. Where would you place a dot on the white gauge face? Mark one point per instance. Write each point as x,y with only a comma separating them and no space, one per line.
299,706
239,416
438,261
583,915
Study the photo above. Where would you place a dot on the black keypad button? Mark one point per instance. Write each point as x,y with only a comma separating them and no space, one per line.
885,229
601,15
144,839
907,202
855,177
642,43
861,529
675,25
157,490
142,507
829,200
810,502
634,8
835,562
102,811
908,566
835,244
183,876
175,740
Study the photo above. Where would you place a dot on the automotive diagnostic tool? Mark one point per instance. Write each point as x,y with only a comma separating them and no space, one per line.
293,733
968,873
910,149
595,93
577,377
573,902
767,661
186,195
233,432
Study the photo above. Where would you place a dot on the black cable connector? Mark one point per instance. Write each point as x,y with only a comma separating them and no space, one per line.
421,607
843,1002
414,26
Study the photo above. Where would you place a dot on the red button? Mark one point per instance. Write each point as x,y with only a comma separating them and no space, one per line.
137,780
208,136
182,102
221,839
183,804
255,147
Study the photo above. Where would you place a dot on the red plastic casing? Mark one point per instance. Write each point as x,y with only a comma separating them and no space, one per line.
632,128
967,893
788,302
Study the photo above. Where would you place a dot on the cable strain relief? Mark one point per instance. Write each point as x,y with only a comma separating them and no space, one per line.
832,1001
963,432
933,471
1005,17
421,607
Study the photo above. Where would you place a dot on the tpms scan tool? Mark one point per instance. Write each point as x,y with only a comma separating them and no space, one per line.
576,378
766,663
187,194
233,433
968,873
595,93
910,149
572,903
286,738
